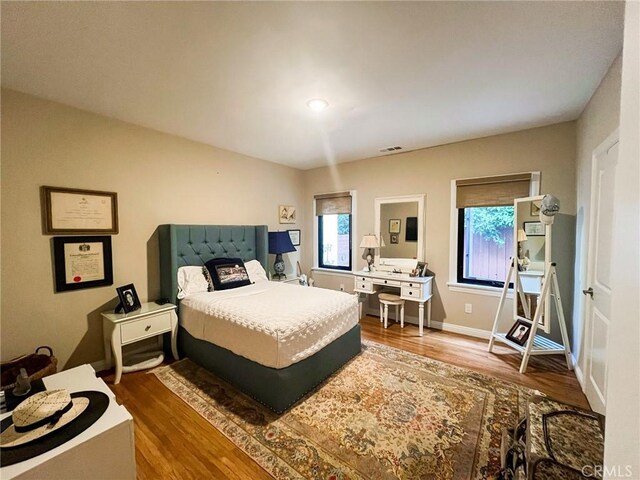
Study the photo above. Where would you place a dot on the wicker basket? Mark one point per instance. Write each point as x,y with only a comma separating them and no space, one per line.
36,364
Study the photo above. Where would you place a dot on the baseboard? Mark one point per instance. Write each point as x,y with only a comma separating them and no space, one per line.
99,365
578,371
445,327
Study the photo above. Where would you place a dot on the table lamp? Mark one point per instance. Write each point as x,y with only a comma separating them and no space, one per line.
370,242
522,237
279,243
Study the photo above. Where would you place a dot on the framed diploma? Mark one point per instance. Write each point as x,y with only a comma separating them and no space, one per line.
73,211
82,262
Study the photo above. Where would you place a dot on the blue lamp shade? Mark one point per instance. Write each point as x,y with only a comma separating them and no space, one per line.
280,242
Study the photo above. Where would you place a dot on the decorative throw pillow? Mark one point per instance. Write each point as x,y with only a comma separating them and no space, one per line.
256,272
227,273
207,277
191,280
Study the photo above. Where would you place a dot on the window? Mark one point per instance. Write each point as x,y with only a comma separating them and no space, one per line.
334,227
485,226
485,244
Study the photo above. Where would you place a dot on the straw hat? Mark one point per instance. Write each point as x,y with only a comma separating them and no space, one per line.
42,414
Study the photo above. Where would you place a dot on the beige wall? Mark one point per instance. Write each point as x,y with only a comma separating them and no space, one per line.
159,179
550,150
598,120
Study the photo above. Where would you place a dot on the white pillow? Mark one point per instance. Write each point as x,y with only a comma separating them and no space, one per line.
191,280
255,271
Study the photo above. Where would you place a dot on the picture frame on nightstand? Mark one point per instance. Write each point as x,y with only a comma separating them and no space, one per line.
129,301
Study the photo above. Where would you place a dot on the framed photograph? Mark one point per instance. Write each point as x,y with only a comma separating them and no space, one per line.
393,238
394,225
73,211
295,237
129,300
519,333
534,229
287,214
535,208
82,262
421,269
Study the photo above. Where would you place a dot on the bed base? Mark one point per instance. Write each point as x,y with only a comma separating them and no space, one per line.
277,389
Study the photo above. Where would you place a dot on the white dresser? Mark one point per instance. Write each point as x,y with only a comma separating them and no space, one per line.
413,289
105,450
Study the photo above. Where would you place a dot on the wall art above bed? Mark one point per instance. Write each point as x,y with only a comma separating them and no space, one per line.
287,214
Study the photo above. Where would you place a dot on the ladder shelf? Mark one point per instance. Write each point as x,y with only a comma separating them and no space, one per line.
535,344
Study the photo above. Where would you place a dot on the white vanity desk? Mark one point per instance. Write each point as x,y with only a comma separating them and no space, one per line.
413,289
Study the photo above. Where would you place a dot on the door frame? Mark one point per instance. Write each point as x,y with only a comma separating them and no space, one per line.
587,303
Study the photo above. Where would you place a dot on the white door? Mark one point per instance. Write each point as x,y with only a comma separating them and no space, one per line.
598,291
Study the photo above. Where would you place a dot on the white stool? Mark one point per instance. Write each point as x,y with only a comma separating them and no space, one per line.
387,299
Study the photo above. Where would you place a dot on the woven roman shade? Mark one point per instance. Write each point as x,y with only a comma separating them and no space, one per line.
499,191
333,203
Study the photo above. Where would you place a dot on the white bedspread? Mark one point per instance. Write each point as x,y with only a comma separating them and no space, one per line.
274,324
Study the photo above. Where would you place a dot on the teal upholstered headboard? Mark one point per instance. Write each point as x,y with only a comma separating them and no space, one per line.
183,245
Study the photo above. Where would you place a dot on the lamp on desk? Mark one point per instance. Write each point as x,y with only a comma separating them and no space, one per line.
279,243
370,242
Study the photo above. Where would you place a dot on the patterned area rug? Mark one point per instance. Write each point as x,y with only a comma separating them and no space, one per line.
386,414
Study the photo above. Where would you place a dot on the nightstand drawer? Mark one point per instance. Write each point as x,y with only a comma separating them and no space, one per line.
409,292
365,286
145,327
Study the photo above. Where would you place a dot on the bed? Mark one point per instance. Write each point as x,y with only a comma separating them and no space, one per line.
281,376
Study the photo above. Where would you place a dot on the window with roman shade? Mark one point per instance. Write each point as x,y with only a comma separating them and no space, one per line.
485,225
334,226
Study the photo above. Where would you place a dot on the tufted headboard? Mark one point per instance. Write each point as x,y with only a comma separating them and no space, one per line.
182,245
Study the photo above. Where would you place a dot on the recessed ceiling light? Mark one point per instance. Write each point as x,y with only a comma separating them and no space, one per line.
317,104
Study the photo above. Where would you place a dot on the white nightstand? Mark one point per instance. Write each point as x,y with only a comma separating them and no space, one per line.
294,280
124,328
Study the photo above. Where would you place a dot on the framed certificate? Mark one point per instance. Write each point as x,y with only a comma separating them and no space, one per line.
73,211
82,262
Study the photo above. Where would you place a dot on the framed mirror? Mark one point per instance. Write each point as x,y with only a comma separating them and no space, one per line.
532,248
400,225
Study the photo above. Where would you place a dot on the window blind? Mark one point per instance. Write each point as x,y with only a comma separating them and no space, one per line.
333,203
498,191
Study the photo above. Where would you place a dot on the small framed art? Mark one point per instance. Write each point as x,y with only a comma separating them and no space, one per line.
129,300
82,262
519,333
393,238
295,237
287,214
534,229
394,225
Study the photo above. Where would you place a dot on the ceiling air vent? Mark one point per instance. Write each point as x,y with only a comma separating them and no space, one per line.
390,149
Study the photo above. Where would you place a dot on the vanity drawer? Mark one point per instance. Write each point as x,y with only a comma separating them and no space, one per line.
411,292
389,283
365,286
362,279
145,327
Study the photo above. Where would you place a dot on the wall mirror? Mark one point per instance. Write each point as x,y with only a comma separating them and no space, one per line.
400,224
532,248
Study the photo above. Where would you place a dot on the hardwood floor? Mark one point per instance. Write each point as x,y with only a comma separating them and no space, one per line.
174,442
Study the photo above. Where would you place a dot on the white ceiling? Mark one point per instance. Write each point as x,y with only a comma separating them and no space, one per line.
237,75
